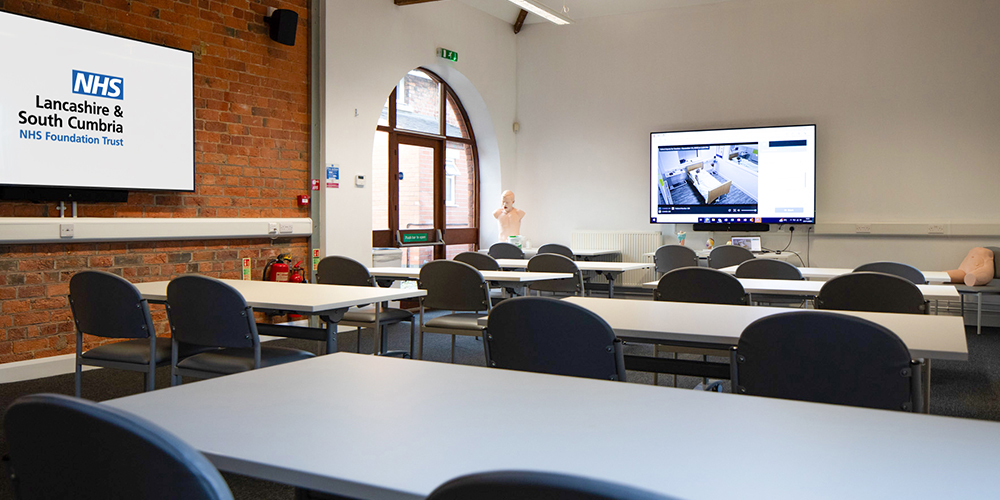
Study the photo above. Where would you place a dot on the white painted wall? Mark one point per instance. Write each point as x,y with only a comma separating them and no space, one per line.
369,46
904,92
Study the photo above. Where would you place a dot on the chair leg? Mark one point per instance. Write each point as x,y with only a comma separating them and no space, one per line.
453,349
357,348
79,375
412,335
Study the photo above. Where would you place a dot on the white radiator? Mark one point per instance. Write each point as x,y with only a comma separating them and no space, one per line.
632,245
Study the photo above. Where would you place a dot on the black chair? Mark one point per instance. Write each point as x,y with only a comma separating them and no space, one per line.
873,292
700,284
458,287
63,447
532,485
825,357
556,249
895,268
728,255
480,261
504,250
769,269
207,312
339,270
105,305
555,263
670,257
772,269
546,335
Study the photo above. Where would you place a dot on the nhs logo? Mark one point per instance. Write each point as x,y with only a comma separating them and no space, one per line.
94,84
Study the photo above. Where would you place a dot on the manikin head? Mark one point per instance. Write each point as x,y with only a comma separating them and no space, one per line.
507,200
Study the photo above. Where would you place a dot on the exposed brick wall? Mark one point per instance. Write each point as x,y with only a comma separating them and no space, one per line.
251,160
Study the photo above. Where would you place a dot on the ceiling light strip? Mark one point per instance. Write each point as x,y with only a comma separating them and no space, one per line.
541,10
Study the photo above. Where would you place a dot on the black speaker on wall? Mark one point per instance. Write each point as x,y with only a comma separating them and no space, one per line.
283,23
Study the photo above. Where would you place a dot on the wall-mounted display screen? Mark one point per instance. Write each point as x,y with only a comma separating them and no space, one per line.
81,109
761,175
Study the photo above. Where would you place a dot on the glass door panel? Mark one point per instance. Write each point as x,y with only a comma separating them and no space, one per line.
416,193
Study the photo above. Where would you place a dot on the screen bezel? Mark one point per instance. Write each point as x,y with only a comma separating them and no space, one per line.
60,192
724,225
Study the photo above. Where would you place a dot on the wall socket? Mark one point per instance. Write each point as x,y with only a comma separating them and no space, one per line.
272,228
65,230
285,227
935,229
862,228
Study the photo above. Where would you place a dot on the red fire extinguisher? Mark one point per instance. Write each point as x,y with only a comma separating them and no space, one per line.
277,268
297,274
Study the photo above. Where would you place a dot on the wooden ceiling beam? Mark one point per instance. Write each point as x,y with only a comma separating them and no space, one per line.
412,2
520,21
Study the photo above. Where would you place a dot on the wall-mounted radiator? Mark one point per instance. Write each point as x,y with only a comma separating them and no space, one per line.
632,245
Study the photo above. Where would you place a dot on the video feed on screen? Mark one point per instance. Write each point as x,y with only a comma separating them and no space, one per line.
750,175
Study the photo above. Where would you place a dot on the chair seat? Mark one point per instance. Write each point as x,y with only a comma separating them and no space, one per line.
456,321
234,360
137,351
388,315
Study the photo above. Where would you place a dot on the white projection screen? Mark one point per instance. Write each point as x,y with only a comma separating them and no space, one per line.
81,109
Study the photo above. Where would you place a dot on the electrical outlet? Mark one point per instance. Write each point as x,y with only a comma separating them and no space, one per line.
65,230
863,228
935,229
272,228
285,227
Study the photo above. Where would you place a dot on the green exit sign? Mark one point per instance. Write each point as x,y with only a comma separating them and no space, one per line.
415,238
450,55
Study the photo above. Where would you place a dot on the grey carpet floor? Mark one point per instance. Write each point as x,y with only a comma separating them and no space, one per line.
959,389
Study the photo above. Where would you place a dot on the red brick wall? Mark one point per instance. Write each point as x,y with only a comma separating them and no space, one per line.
251,160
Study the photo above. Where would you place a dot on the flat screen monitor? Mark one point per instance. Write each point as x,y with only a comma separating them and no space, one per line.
82,109
733,177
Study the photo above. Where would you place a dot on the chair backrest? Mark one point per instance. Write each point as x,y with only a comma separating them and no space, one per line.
339,270
555,263
895,268
557,249
728,255
480,261
670,257
873,292
700,284
453,285
107,305
533,485
546,335
206,311
771,269
63,447
504,250
826,357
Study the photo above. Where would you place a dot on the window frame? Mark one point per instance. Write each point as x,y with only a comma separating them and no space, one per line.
452,236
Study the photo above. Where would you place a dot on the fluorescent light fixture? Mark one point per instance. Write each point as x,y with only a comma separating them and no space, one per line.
538,8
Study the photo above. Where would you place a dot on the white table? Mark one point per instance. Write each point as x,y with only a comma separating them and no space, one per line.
399,428
303,298
825,273
584,253
608,269
811,288
504,277
718,326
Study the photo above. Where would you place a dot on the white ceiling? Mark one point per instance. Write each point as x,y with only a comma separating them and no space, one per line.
580,9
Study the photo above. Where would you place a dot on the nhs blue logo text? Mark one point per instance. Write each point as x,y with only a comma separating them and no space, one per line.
94,84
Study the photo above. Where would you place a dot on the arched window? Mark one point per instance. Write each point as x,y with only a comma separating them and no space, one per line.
425,171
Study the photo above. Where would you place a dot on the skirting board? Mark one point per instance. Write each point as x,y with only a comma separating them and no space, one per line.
95,229
908,228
